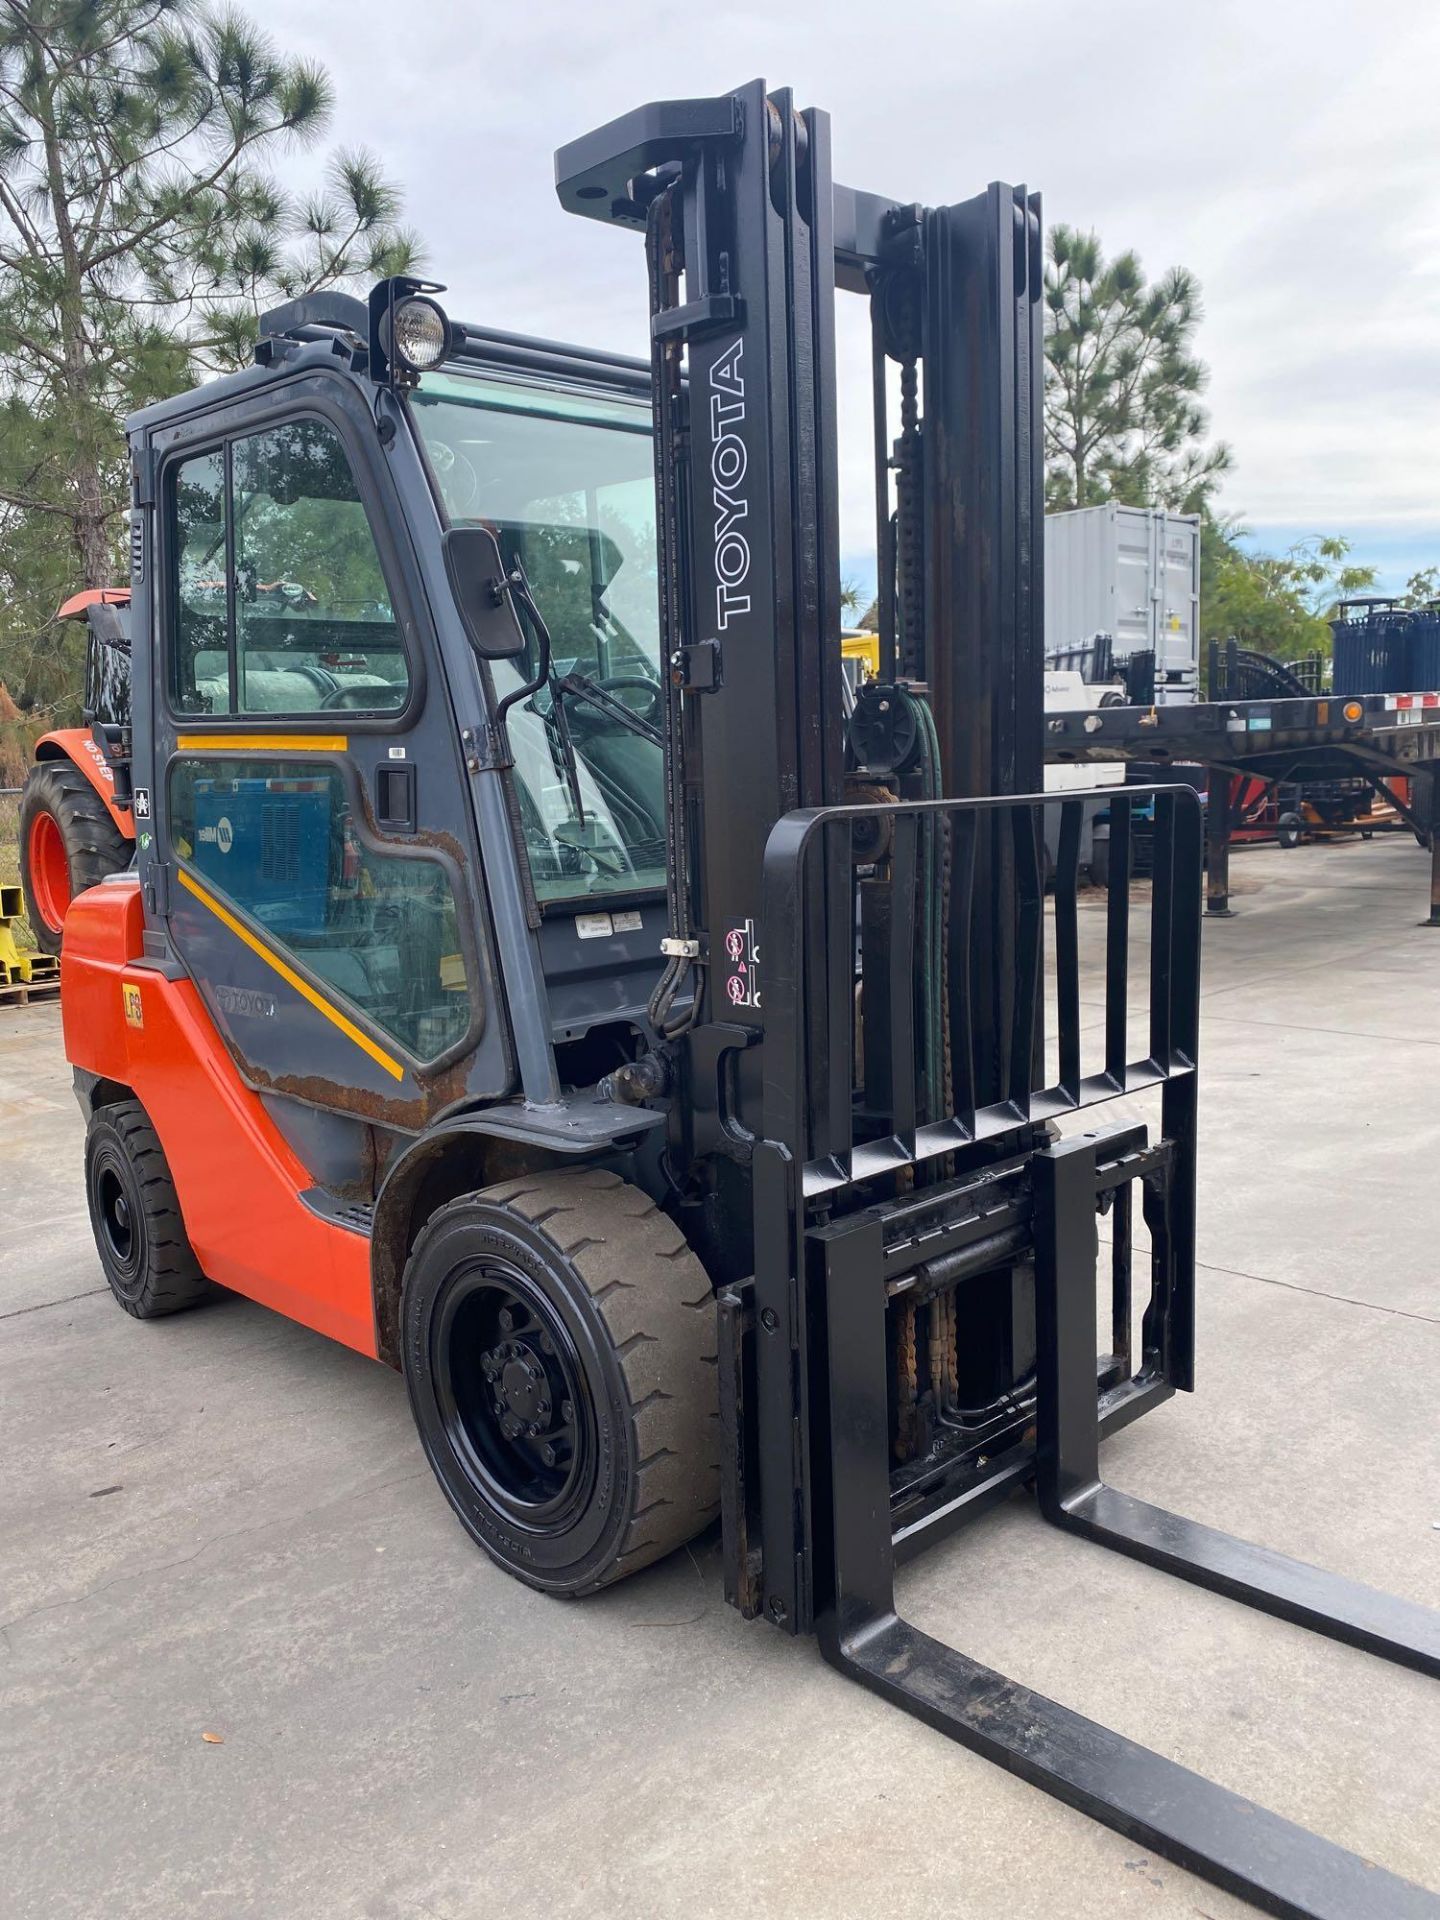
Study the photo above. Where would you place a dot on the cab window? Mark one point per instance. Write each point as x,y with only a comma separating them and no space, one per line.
281,603
568,483
280,840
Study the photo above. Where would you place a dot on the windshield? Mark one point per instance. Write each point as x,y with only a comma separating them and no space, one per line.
568,482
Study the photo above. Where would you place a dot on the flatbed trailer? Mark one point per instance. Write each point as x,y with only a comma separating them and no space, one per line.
1382,738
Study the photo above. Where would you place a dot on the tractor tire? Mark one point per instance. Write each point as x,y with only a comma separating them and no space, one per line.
559,1343
1289,829
68,841
135,1216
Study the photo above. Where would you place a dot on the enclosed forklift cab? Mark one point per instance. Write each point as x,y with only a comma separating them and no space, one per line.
542,971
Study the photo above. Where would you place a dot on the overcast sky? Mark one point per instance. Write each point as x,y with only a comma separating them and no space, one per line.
1289,154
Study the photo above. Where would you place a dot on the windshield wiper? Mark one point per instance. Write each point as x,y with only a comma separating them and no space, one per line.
582,687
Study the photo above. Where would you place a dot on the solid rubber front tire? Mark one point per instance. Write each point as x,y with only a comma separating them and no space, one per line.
621,1303
64,824
135,1215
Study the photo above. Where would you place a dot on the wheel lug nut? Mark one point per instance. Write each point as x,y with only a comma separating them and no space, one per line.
567,1410
507,1319
544,1409
533,1430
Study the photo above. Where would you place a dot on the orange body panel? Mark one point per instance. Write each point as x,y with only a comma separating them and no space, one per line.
76,606
75,743
239,1182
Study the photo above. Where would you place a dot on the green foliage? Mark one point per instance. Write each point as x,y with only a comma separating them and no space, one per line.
1273,603
1122,414
141,233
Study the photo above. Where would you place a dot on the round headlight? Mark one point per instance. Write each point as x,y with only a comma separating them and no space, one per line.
420,334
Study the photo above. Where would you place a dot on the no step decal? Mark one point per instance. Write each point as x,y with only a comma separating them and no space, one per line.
742,983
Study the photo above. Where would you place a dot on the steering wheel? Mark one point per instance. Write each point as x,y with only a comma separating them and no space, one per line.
362,699
650,709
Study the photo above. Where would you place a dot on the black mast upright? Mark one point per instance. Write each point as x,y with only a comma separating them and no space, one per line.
749,433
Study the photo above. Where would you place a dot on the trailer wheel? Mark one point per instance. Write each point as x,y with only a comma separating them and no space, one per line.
559,1346
1288,830
1100,861
135,1215
68,841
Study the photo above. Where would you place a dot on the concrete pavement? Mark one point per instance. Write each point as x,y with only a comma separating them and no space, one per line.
222,1523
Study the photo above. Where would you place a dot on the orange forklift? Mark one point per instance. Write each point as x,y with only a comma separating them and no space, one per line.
541,971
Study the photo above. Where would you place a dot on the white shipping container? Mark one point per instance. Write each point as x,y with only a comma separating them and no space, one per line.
1134,573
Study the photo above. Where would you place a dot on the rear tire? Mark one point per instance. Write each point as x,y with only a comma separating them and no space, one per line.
1288,830
135,1215
559,1347
68,841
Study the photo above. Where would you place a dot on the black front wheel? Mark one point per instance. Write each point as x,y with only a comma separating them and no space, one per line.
560,1353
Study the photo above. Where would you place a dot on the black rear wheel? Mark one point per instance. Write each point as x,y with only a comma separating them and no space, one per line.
135,1216
68,841
559,1349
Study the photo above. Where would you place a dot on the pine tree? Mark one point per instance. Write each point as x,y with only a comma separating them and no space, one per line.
142,231
1122,413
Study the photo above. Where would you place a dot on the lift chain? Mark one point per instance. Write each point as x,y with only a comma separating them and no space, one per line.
909,553
906,1383
951,1350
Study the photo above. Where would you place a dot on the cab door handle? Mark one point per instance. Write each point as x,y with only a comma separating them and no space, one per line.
395,796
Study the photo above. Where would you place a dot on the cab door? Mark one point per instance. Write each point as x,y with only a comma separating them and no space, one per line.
320,883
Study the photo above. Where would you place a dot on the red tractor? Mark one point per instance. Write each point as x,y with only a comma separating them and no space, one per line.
76,825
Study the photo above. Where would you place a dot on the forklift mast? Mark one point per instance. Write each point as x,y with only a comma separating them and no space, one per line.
748,240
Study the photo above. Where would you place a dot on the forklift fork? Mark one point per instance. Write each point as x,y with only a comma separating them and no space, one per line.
1073,1495
1038,1203
1278,1866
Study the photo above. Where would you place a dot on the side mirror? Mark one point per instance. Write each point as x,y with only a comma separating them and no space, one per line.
476,570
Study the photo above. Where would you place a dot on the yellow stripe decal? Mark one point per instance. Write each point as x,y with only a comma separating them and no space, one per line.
264,742
291,978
